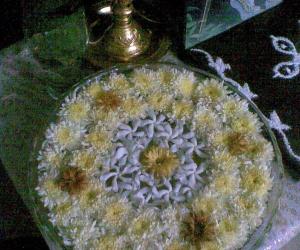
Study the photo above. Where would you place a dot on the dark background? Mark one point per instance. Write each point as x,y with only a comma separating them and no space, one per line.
18,231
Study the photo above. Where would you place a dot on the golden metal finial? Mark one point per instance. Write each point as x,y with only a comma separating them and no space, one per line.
125,40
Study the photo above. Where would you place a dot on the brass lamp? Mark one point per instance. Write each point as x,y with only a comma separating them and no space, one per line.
125,40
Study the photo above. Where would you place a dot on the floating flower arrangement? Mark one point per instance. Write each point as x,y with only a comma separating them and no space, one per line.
155,159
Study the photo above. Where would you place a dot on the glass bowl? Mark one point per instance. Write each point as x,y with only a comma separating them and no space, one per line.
40,213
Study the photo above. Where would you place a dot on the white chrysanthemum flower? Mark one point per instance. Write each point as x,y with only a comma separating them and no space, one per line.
92,195
206,203
51,193
246,123
119,82
232,232
98,139
76,110
86,160
183,109
133,107
212,90
145,226
185,84
50,158
65,135
116,212
256,180
160,101
249,208
166,76
225,184
112,242
144,81
171,222
86,233
93,89
232,107
206,120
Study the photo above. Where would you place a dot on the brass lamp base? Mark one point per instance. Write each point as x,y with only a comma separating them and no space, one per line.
125,41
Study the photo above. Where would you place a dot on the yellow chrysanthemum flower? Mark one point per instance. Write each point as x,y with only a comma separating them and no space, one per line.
84,160
105,117
224,160
88,197
233,107
116,212
237,143
63,208
256,180
176,245
229,226
245,124
182,109
94,89
260,148
98,139
62,211
186,85
142,225
144,81
54,159
64,135
166,76
248,205
119,82
218,139
205,120
51,186
205,205
212,89
77,111
108,100
160,162
109,242
225,184
160,101
133,107
209,245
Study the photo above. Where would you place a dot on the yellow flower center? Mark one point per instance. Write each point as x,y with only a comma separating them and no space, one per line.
77,111
182,109
85,160
160,162
94,89
98,139
115,212
64,135
133,107
141,226
213,91
108,100
186,87
166,77
255,180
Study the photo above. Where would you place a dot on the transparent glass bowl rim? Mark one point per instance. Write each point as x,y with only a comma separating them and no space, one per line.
50,233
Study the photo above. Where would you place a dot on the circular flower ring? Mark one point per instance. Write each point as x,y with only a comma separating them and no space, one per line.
155,159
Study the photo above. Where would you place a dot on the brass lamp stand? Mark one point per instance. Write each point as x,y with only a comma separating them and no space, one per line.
125,40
